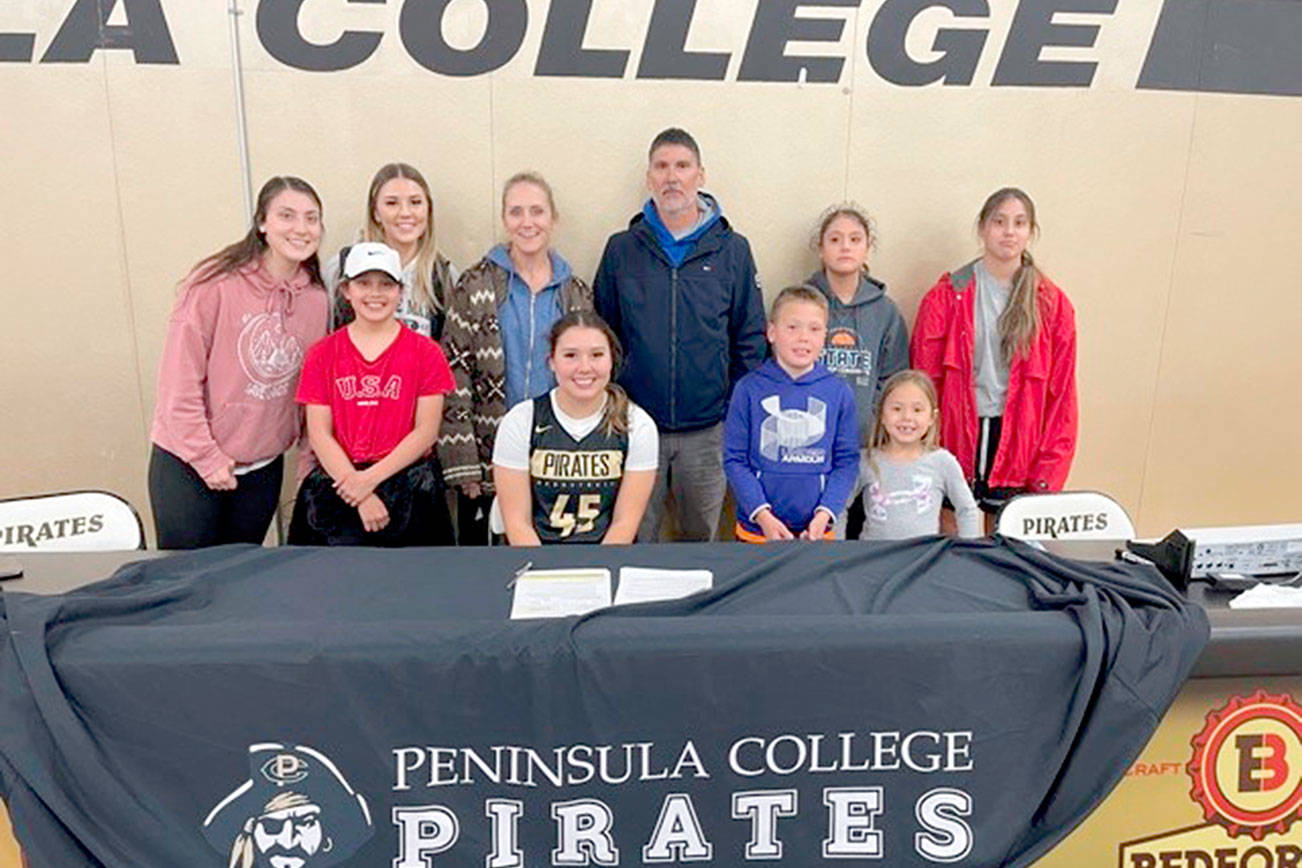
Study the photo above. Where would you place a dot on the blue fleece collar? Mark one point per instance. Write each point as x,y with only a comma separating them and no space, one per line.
678,249
561,270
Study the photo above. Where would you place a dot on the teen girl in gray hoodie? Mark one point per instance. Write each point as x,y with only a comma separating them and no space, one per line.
867,340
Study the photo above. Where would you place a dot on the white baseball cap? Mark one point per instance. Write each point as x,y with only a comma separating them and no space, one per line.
372,256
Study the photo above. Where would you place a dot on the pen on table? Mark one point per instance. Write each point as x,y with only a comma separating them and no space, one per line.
528,565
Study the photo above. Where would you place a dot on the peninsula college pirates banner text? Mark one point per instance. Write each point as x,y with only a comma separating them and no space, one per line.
928,702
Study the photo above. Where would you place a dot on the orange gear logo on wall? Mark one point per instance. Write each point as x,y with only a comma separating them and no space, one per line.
1247,765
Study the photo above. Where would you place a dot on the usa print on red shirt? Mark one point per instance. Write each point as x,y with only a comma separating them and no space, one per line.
373,404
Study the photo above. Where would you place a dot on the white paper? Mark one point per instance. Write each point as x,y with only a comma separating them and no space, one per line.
645,584
1265,596
558,593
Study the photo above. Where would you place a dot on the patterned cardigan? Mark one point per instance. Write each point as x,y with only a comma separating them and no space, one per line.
472,342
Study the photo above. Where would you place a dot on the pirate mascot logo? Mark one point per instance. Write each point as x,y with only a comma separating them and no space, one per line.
295,811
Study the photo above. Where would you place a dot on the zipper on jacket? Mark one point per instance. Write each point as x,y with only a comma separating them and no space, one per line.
528,364
673,345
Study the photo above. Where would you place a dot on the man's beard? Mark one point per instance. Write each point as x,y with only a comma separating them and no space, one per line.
279,857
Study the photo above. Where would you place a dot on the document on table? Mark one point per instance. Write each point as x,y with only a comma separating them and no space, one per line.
557,593
1266,596
646,584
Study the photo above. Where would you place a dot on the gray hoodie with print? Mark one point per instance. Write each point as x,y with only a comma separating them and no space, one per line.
867,341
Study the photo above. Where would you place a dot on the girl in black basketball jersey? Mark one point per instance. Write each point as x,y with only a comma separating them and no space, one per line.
578,463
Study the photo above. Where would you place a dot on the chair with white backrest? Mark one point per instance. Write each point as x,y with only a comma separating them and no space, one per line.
70,521
1067,515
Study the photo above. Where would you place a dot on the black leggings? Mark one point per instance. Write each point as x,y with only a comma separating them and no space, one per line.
190,515
990,431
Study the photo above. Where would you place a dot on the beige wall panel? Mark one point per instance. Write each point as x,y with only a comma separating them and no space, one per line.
1125,165
74,415
589,137
779,178
597,175
1227,412
174,135
181,189
138,152
335,129
442,129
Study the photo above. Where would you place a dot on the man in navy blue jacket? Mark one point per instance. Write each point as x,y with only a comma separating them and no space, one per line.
680,290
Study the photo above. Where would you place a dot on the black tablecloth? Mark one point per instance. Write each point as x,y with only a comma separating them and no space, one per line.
924,700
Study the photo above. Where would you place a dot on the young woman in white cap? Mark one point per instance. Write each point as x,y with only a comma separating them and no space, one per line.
225,410
373,392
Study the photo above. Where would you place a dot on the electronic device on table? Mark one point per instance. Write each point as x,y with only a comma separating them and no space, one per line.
1229,556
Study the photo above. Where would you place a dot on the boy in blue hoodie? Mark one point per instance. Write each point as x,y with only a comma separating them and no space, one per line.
791,436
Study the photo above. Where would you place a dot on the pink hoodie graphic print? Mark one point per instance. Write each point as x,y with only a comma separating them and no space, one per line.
230,364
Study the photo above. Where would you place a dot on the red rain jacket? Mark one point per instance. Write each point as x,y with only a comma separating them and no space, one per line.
1040,417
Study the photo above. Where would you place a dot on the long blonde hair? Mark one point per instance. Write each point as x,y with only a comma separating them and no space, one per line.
423,291
614,419
881,436
1020,321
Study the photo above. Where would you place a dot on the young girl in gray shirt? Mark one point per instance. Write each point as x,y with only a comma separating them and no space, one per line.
906,476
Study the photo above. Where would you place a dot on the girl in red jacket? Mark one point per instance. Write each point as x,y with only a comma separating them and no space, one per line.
225,412
999,340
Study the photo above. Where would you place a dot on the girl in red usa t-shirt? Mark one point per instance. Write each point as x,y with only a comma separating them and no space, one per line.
373,392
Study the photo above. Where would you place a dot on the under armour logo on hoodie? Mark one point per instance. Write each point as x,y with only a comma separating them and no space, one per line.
785,432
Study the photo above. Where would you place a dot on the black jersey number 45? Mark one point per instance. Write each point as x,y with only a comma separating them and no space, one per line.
582,520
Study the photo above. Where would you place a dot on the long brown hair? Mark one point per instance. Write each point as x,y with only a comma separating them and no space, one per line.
1020,321
614,419
232,257
423,291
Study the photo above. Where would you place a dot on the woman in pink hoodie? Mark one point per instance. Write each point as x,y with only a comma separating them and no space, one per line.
225,413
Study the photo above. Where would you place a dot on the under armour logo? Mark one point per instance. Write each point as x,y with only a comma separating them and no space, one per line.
921,496
791,429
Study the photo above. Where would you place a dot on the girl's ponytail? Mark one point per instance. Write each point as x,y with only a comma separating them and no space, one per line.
614,420
1021,319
